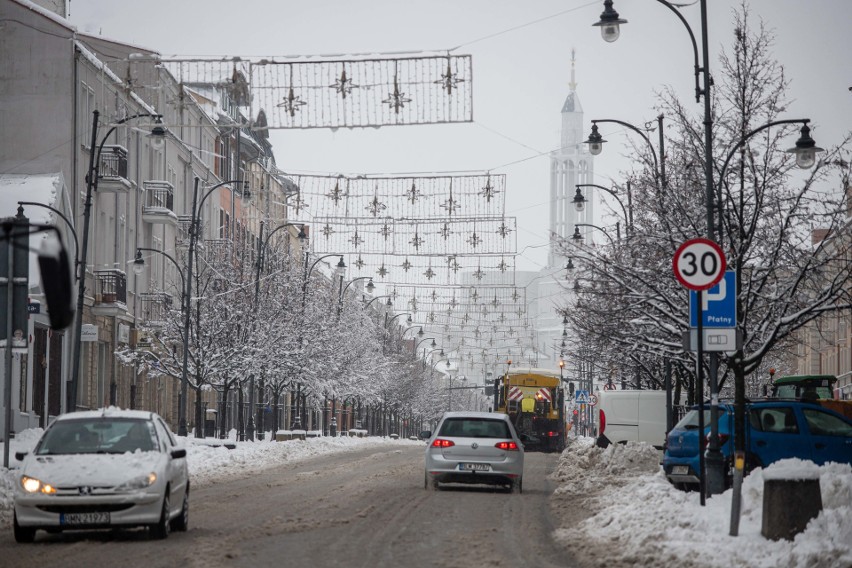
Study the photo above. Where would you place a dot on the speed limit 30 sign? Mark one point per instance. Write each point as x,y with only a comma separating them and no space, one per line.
699,264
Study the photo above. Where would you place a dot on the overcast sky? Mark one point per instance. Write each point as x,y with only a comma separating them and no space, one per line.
521,74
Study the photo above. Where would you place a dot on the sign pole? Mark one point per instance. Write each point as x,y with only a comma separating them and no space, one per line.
699,388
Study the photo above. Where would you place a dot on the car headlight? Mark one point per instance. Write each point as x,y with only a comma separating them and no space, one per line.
140,482
33,485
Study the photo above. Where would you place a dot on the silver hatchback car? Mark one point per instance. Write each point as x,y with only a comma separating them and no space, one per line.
474,447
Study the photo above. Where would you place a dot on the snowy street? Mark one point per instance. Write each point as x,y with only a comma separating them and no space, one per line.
361,502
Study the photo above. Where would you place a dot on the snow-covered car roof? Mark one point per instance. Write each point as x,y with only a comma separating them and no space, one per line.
472,414
111,412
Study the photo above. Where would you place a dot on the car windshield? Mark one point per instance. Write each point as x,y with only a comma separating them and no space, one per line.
474,428
104,435
690,420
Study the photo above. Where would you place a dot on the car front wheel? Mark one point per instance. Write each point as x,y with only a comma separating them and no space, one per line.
23,534
181,522
160,530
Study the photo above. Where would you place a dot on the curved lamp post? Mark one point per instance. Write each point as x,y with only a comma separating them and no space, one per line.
369,287
577,236
157,136
70,228
261,248
388,303
417,345
580,202
596,143
193,238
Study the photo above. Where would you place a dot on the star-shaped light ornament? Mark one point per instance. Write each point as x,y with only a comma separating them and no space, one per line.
413,304
431,317
406,265
515,295
445,231
343,85
488,191
396,100
335,194
479,274
292,103
413,194
451,205
449,79
327,231
475,240
502,266
474,295
385,231
429,274
416,241
360,262
434,295
376,206
503,230
382,271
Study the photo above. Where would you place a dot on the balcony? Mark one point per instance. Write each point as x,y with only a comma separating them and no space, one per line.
110,293
158,206
112,170
155,308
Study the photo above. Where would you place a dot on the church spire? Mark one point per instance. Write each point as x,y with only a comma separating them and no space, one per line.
573,83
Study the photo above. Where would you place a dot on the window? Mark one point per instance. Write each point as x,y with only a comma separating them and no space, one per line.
824,424
87,107
475,428
778,420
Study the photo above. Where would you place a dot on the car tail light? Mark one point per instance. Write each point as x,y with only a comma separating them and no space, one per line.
508,446
439,443
553,434
602,421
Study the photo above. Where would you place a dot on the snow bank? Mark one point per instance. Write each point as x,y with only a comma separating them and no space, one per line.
639,519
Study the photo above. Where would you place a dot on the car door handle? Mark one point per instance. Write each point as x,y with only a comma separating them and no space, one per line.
760,443
819,446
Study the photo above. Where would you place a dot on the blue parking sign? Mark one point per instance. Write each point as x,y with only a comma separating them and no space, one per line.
720,304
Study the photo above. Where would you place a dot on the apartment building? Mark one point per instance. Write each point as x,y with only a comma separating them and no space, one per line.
54,79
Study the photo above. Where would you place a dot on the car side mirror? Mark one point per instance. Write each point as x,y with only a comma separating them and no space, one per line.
178,454
20,455
425,434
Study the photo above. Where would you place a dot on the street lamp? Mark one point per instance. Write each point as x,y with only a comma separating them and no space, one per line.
596,142
610,23
157,138
580,202
261,248
417,345
388,303
193,238
369,287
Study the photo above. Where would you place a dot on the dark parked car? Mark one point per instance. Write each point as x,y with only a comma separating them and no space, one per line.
775,430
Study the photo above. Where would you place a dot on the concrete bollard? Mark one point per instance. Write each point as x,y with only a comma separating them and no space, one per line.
789,503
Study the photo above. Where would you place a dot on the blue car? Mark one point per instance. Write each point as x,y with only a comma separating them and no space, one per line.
775,430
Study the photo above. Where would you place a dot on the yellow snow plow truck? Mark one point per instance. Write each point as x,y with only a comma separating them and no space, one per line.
535,402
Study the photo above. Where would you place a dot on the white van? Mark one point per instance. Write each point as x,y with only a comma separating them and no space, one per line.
631,415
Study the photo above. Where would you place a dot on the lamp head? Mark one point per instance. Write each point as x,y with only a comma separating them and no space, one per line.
570,265
579,200
408,319
302,236
138,264
158,135
246,192
420,333
609,23
371,287
433,344
805,149
341,265
577,236
595,141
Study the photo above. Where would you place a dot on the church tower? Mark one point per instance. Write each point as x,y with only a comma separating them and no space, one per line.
570,165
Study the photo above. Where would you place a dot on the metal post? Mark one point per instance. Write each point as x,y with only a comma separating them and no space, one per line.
7,378
699,387
184,380
91,180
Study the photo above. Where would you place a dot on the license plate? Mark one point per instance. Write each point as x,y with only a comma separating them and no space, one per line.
474,467
680,470
84,519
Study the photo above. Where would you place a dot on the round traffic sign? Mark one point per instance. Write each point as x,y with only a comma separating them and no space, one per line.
593,400
699,264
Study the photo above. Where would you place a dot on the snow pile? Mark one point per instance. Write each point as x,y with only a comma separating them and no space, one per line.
641,520
207,460
584,467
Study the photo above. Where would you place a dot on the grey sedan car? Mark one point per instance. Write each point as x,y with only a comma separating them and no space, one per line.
474,447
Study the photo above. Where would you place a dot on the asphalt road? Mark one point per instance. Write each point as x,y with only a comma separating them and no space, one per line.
366,508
